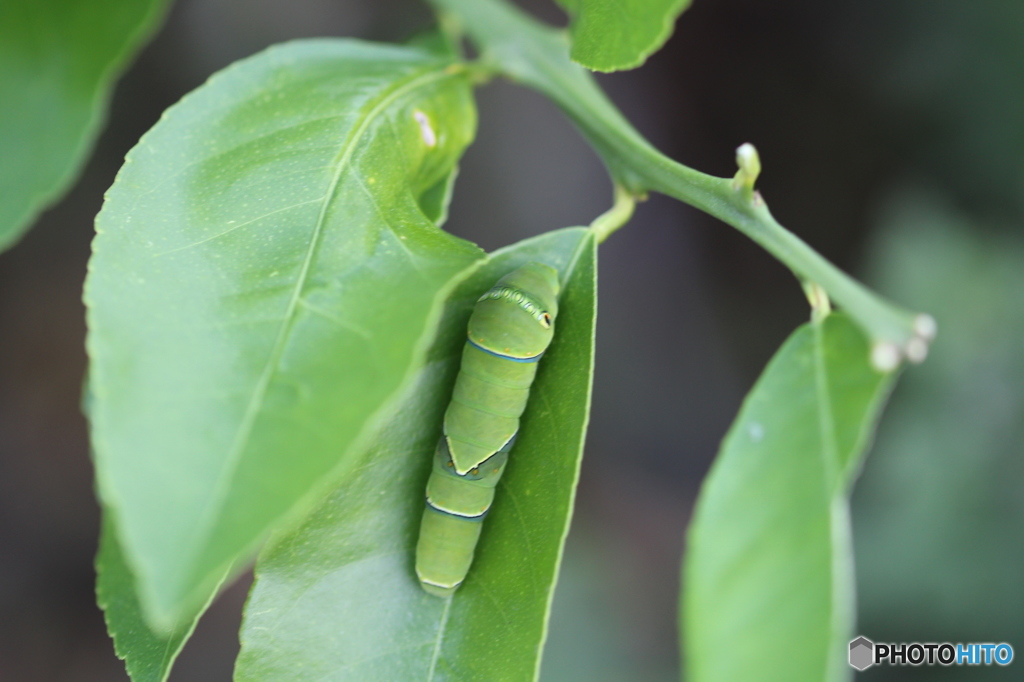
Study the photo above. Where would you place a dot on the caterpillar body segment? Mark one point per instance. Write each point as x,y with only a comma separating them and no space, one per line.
511,326
454,514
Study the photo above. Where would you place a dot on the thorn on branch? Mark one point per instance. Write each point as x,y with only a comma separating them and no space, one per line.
925,327
749,168
886,356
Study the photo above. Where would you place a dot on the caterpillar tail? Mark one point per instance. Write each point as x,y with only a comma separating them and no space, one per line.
453,518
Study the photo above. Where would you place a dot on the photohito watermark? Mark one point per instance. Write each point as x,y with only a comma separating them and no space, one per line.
864,653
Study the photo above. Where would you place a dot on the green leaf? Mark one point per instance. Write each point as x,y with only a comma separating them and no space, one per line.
148,654
338,598
612,35
58,63
260,278
768,583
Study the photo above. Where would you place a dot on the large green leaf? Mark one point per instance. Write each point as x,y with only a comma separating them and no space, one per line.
768,585
611,35
338,599
260,278
58,62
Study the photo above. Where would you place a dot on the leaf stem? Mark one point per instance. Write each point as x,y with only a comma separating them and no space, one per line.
519,47
616,216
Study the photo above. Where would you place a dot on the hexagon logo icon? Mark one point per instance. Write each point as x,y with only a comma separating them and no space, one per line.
862,652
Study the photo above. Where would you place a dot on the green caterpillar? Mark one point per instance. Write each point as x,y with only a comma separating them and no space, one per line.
511,327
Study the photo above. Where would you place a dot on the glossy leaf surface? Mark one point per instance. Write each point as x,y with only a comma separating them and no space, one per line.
611,35
58,63
769,568
261,277
338,599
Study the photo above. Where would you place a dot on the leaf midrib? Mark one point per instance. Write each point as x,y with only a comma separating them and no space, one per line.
826,416
830,464
240,442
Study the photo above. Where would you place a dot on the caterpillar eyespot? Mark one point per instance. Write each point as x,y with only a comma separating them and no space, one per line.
482,420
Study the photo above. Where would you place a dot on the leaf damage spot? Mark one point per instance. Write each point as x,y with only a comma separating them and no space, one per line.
429,136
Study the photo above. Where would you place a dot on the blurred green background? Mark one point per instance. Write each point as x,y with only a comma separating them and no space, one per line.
892,136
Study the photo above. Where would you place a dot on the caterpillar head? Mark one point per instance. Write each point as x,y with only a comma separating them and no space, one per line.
516,317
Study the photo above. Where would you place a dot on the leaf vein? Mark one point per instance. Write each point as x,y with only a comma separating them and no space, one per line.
240,225
184,169
239,443
508,494
387,221
326,314
436,654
